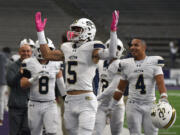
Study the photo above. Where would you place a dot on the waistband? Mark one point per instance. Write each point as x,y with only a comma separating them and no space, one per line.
41,101
77,92
86,96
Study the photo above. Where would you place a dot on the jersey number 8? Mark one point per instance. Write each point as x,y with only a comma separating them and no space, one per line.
43,85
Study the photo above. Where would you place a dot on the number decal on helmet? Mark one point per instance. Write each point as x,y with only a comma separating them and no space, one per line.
163,115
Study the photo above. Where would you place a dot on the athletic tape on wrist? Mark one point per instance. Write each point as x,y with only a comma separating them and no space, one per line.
163,95
114,102
31,80
41,37
120,91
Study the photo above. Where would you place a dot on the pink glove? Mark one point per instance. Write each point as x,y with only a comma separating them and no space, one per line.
70,35
115,18
39,24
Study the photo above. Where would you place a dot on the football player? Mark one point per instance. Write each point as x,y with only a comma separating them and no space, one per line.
40,75
142,72
81,56
103,115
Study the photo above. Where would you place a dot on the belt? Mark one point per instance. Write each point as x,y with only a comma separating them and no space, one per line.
77,92
41,101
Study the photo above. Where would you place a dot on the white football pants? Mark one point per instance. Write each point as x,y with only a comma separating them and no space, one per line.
80,113
138,115
42,113
116,120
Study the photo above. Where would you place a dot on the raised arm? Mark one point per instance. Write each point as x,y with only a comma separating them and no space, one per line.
55,55
113,34
111,51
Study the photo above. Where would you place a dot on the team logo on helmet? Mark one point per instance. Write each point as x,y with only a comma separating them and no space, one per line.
163,115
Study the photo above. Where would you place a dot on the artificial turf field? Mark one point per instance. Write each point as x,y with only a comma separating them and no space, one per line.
174,100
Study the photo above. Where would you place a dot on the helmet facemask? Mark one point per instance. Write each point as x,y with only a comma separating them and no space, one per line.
82,30
76,33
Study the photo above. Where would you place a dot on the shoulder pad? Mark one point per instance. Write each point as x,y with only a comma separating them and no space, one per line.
25,62
96,42
156,60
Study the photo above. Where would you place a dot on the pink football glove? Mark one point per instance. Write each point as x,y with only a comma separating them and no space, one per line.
70,35
40,25
115,18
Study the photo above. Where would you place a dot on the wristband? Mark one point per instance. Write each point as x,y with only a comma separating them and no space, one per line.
41,37
163,100
120,91
163,95
31,80
113,103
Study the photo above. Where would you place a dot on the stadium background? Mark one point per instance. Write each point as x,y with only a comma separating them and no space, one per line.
155,21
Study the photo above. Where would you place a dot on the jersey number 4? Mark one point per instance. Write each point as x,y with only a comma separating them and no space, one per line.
140,84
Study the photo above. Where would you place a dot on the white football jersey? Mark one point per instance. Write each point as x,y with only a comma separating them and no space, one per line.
140,75
44,88
105,80
80,69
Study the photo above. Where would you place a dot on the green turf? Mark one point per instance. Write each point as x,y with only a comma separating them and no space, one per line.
174,99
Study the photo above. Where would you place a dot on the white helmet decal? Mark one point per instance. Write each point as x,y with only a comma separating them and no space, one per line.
163,115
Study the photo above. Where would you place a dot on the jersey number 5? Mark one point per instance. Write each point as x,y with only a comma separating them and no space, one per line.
72,72
140,84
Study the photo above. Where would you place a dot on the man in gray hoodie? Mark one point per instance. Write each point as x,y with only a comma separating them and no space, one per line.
18,98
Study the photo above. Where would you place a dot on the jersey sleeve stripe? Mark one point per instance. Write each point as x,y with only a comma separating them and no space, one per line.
160,61
99,46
